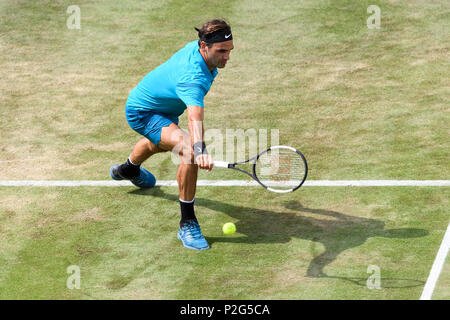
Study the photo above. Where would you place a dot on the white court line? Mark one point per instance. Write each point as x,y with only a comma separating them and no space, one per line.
437,266
226,183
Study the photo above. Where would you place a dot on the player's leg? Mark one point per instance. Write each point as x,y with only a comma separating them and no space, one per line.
187,181
149,125
173,138
179,142
132,170
143,150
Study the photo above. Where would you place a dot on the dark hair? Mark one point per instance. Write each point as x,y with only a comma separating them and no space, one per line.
210,27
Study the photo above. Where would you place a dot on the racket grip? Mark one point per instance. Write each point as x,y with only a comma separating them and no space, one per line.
221,164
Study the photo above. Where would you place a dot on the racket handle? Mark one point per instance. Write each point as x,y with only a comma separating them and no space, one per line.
221,164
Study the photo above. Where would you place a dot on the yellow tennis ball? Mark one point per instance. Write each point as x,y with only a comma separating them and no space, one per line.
229,228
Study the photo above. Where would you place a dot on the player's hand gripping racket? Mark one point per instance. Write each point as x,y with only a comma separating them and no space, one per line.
278,169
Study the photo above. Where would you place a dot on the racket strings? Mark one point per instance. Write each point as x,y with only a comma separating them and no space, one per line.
280,168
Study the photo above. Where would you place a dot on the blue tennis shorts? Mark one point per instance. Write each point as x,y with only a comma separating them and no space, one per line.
148,123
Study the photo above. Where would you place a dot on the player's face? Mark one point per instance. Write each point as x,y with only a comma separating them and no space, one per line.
219,53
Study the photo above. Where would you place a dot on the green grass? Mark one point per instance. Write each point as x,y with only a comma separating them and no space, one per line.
441,289
359,103
299,246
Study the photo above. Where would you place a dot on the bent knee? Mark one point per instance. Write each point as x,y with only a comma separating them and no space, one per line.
186,154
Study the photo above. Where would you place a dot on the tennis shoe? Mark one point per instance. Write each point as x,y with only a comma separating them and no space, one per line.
145,179
191,236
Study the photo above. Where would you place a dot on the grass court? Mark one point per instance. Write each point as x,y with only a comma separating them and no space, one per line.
360,103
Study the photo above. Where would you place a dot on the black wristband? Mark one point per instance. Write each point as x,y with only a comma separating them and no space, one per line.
199,148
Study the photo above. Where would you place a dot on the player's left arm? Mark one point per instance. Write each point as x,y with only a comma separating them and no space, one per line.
195,115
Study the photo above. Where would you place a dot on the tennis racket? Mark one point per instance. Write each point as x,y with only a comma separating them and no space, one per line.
279,169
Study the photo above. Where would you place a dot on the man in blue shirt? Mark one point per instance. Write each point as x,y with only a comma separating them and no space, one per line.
153,108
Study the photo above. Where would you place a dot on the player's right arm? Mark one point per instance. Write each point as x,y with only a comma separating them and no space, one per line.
195,115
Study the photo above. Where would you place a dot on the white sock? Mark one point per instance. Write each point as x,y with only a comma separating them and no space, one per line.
184,201
132,162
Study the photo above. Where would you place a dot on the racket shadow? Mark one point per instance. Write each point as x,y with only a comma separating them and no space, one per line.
335,231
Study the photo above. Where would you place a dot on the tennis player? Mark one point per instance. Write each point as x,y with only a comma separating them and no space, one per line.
153,108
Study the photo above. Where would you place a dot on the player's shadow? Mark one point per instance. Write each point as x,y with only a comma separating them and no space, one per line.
336,231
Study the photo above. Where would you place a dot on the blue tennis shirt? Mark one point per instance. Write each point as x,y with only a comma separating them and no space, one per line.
181,81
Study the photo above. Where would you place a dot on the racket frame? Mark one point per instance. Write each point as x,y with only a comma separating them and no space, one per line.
223,164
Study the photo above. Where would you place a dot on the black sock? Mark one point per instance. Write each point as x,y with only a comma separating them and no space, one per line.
187,212
129,170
